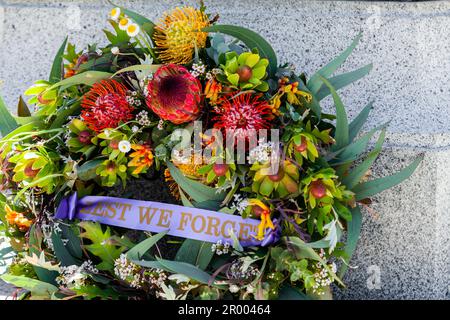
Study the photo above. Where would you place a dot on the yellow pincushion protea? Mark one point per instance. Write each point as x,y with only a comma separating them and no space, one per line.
178,33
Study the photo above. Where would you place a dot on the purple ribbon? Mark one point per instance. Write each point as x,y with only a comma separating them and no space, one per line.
186,222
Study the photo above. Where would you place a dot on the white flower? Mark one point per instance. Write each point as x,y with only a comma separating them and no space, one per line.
135,129
115,14
124,146
133,30
115,50
124,23
234,288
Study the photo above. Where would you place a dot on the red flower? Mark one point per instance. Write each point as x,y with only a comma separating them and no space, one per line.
174,94
106,105
242,113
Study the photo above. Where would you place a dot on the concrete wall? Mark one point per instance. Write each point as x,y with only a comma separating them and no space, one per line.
404,251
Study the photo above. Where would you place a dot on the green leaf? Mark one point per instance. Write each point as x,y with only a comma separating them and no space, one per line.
196,190
195,252
288,292
353,178
62,115
101,246
139,250
356,148
341,135
357,123
71,233
87,78
22,108
251,39
61,251
353,232
370,188
56,74
34,243
87,170
343,80
186,269
38,289
7,122
314,82
138,67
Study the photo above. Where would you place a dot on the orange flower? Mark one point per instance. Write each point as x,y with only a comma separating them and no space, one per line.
212,90
142,158
15,218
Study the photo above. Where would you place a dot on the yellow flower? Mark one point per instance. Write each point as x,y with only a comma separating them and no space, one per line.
292,93
179,33
15,218
266,221
142,158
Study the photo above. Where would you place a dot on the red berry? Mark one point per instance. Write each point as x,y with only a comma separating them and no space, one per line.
302,146
318,189
220,169
114,144
30,172
245,73
277,176
84,137
257,211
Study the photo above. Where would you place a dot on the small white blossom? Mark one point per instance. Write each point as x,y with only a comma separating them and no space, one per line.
115,50
233,288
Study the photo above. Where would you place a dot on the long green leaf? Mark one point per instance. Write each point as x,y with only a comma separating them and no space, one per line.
251,39
353,178
356,148
370,188
341,135
196,190
87,78
139,250
7,122
37,288
314,82
357,123
56,74
61,251
343,80
353,232
187,269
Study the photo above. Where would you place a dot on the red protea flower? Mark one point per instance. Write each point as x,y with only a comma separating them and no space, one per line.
106,105
243,112
174,94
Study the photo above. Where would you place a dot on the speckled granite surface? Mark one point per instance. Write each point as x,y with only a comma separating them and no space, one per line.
404,251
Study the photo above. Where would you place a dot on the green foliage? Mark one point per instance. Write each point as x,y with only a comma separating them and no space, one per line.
57,72
7,122
39,289
101,244
251,39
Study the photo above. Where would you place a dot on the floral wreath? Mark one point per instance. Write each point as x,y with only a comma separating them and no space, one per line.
105,123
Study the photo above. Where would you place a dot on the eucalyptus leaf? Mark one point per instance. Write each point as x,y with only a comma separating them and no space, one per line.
353,232
367,189
139,250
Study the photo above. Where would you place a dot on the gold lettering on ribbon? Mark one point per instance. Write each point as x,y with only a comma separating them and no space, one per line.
213,224
146,214
164,218
185,216
194,223
224,230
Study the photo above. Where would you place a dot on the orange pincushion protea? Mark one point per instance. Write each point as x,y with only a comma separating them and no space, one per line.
174,94
243,113
106,105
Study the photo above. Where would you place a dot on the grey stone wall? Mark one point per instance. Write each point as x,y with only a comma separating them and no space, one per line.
404,251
